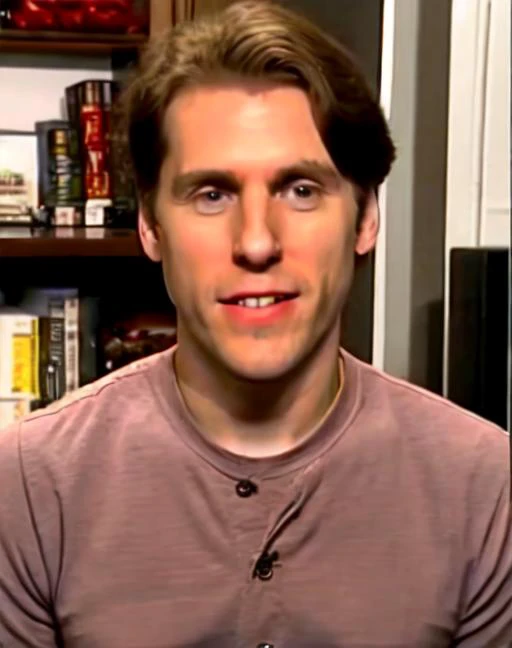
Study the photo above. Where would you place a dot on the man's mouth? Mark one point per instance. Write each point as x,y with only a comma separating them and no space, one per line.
262,301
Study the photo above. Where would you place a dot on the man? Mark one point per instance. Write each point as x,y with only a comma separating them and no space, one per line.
256,485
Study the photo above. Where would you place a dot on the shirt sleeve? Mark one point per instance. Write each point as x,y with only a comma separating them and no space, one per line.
487,602
25,611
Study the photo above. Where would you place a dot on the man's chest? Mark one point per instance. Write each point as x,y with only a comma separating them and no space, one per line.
155,574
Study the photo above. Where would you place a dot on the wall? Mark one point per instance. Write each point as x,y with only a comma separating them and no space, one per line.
495,208
32,86
408,322
478,173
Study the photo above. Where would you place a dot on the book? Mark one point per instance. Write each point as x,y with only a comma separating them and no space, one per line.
90,122
57,351
19,354
89,323
57,310
108,186
56,340
71,345
59,174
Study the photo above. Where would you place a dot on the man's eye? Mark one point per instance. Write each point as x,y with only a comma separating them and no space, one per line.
211,201
302,196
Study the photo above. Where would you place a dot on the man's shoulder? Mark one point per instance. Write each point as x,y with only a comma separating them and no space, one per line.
106,401
431,428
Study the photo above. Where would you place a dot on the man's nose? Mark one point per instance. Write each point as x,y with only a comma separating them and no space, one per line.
256,242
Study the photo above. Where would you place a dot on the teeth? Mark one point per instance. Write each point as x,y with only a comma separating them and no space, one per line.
257,302
266,301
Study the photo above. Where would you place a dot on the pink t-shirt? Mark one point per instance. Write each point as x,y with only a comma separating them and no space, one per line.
121,526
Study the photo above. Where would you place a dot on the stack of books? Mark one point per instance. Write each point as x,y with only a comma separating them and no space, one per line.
39,351
84,177
55,341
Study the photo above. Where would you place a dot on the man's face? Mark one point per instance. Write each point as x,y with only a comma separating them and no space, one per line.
250,208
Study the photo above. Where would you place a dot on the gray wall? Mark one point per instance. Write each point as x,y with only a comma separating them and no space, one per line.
357,23
429,201
416,193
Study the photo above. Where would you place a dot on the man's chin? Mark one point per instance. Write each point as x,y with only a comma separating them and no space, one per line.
260,369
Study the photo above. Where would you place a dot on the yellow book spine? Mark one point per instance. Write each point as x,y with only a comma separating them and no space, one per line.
25,359
36,386
22,363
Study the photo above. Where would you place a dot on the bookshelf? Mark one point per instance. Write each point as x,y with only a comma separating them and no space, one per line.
25,42
105,266
68,242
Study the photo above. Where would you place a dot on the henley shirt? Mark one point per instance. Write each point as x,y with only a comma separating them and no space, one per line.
122,526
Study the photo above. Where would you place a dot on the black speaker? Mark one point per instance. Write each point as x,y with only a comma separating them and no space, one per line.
478,331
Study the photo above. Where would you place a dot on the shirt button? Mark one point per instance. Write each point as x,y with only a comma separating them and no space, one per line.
264,572
264,566
246,488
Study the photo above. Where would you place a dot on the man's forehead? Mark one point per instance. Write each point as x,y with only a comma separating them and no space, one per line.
228,91
244,135
243,106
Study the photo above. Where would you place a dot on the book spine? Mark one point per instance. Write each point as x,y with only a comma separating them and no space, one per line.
88,331
60,176
46,190
46,387
57,351
71,345
72,94
35,344
18,360
92,122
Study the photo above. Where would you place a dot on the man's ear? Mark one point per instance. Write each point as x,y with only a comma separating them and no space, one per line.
368,225
148,234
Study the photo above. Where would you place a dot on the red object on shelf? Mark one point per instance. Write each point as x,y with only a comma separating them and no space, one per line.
109,15
96,16
33,15
97,181
70,15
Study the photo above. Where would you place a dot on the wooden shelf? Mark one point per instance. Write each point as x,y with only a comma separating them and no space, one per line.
19,41
68,242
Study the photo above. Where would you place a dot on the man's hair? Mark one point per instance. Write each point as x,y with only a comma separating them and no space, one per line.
258,40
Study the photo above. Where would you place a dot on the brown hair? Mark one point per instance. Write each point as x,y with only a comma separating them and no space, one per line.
256,39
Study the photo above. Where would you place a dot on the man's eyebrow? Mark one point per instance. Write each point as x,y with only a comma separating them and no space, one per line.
185,184
320,172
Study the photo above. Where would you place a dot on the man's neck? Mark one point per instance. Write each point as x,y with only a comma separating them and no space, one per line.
260,420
